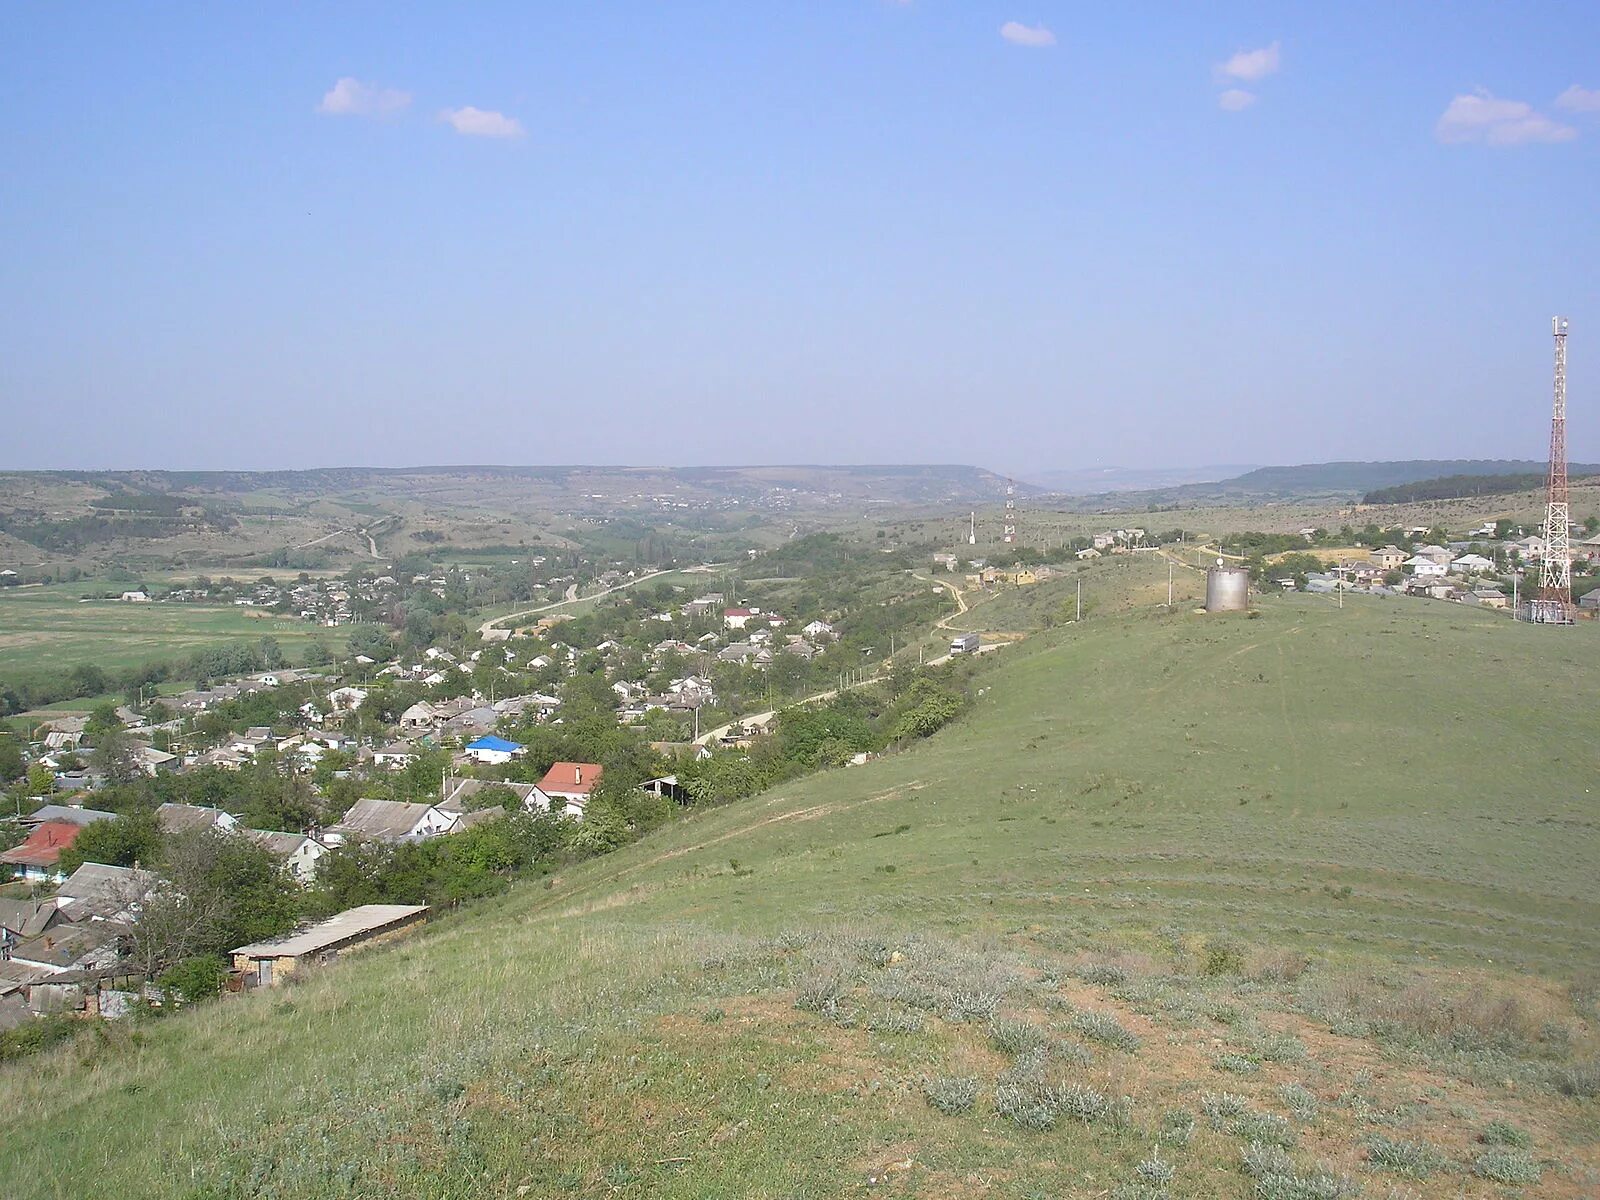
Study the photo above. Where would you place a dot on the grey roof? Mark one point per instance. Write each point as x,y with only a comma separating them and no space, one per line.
180,818
28,918
380,818
97,881
70,945
66,812
352,924
460,790
274,842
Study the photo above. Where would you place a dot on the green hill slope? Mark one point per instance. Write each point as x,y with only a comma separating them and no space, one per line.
1188,865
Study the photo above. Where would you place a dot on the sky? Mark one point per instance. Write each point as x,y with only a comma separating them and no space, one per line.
1022,235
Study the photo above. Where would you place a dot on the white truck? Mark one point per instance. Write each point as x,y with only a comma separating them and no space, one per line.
964,643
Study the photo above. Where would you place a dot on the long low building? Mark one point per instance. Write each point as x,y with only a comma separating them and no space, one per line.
267,964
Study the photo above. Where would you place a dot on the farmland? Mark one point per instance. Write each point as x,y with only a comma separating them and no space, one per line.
1204,906
52,629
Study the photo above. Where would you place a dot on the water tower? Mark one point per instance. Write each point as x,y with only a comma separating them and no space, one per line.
1227,588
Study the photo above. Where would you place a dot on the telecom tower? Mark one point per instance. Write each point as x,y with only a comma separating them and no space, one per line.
1552,604
1011,513
972,529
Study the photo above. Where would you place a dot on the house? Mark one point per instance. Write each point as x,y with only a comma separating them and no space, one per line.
1590,601
135,597
456,794
24,919
390,821
185,818
567,786
1390,558
1491,598
818,629
1438,554
395,756
667,786
737,618
1471,564
1423,567
473,721
268,964
66,812
494,751
96,891
152,761
298,852
35,859
1087,553
346,699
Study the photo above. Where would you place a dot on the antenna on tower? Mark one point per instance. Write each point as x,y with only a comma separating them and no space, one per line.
1011,513
1552,604
972,529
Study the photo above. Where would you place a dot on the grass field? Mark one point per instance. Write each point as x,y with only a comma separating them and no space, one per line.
1184,907
44,629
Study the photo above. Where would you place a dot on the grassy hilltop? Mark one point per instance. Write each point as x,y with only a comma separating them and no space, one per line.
1185,907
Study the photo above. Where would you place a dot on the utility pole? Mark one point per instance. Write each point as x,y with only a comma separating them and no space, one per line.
1080,599
1169,583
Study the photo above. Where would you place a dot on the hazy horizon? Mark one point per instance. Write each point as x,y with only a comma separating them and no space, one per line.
864,232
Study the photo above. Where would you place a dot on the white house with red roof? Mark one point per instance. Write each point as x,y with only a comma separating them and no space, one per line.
737,618
566,787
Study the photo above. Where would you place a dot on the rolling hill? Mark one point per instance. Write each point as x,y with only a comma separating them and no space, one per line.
1184,907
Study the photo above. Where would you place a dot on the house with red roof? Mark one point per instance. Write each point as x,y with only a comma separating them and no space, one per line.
38,857
566,787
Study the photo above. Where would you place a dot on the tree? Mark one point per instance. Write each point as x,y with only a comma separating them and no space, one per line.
218,890
11,764
130,839
115,758
272,654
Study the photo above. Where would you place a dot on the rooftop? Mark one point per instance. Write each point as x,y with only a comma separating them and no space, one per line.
327,935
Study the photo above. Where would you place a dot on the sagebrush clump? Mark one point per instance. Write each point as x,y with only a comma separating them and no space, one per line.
952,1094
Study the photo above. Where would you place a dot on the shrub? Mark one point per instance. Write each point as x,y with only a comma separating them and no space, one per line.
1507,1166
1237,1064
1411,1159
823,988
1280,1047
1580,1080
1177,1127
952,1094
37,1034
1276,1177
895,1020
1155,1170
1086,1104
1224,956
1222,1107
1503,1133
1299,1100
1103,1027
1012,1036
1267,1128
1103,974
197,978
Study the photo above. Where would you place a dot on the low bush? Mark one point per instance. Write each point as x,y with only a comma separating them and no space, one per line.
1177,1127
1010,1036
1223,956
37,1034
1237,1064
1411,1159
1299,1100
1155,1170
1503,1133
1507,1166
952,1094
1104,1028
1580,1080
1277,1178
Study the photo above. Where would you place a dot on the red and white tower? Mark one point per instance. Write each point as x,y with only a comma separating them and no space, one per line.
1011,513
1552,604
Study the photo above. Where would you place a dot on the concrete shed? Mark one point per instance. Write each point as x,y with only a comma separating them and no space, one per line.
267,964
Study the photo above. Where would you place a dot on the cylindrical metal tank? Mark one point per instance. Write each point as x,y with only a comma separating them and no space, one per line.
1227,589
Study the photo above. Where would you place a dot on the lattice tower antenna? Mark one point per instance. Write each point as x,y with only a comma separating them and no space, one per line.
1553,603
1011,513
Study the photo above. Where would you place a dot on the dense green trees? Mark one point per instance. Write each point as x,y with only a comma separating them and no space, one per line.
122,842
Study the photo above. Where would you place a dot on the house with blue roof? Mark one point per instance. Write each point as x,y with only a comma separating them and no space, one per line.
492,751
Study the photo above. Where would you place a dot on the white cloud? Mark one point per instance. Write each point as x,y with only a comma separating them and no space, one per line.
1019,34
1250,65
480,122
352,98
1579,99
1236,100
1483,117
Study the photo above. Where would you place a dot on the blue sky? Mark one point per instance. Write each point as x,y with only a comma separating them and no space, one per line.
1019,235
